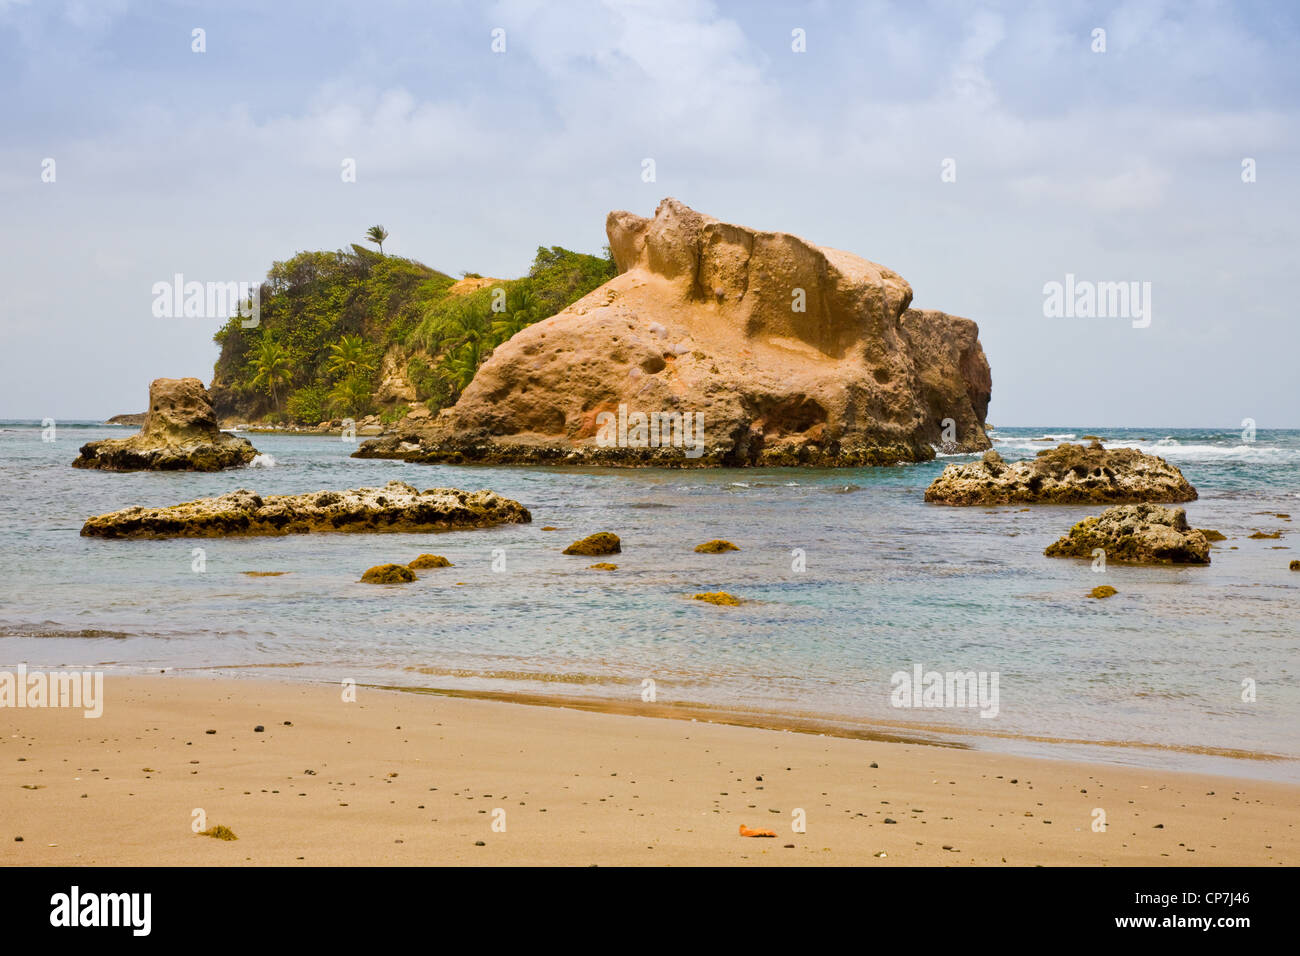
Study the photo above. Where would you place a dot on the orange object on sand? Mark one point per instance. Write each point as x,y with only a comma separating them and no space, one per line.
746,831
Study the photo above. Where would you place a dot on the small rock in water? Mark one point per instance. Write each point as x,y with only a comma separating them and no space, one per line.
388,574
718,597
602,542
259,729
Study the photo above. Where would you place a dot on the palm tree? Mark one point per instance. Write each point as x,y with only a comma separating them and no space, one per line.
457,369
521,312
349,357
351,396
271,362
461,323
377,235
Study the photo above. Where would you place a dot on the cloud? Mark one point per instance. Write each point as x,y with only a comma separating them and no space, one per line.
1067,160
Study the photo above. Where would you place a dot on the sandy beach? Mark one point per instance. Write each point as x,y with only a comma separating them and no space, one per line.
417,779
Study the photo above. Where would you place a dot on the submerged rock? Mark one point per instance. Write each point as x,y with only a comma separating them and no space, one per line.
1212,535
717,597
1102,591
1067,474
388,574
1136,534
716,546
602,542
395,507
720,345
429,561
602,566
179,433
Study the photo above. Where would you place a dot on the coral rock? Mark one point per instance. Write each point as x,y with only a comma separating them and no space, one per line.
395,507
180,433
1067,474
1136,534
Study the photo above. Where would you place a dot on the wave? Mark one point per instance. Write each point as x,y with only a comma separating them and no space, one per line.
48,630
262,460
1174,450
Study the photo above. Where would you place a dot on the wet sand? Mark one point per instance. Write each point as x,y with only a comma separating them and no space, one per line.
416,779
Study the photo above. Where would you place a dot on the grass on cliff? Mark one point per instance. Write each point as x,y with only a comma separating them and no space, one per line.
329,319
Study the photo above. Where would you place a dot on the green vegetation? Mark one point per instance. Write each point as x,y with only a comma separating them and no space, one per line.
334,325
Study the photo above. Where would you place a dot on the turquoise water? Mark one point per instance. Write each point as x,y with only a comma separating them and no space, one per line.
890,582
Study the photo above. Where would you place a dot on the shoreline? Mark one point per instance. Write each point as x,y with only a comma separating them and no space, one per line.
1233,763
342,783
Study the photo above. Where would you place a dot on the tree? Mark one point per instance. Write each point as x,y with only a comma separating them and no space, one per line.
349,356
351,397
271,365
457,369
377,235
521,312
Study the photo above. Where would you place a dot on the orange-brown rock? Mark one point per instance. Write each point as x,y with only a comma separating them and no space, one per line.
739,347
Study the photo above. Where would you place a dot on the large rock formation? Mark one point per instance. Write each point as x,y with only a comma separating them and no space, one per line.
1136,534
395,507
1067,474
180,433
720,345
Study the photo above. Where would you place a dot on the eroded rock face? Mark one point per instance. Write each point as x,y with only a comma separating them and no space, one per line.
180,433
395,507
1136,534
740,347
1067,474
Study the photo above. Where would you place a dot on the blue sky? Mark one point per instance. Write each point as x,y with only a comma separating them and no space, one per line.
1117,166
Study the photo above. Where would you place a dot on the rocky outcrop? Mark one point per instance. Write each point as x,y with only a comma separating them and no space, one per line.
395,507
1067,474
393,384
135,419
180,433
1136,534
720,345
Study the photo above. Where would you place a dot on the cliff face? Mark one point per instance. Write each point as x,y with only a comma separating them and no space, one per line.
773,350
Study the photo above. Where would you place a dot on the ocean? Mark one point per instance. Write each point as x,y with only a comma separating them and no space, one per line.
848,577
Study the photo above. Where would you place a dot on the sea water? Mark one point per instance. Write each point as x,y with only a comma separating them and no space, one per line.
848,578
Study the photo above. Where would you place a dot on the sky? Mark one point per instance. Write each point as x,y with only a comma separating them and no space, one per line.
981,150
